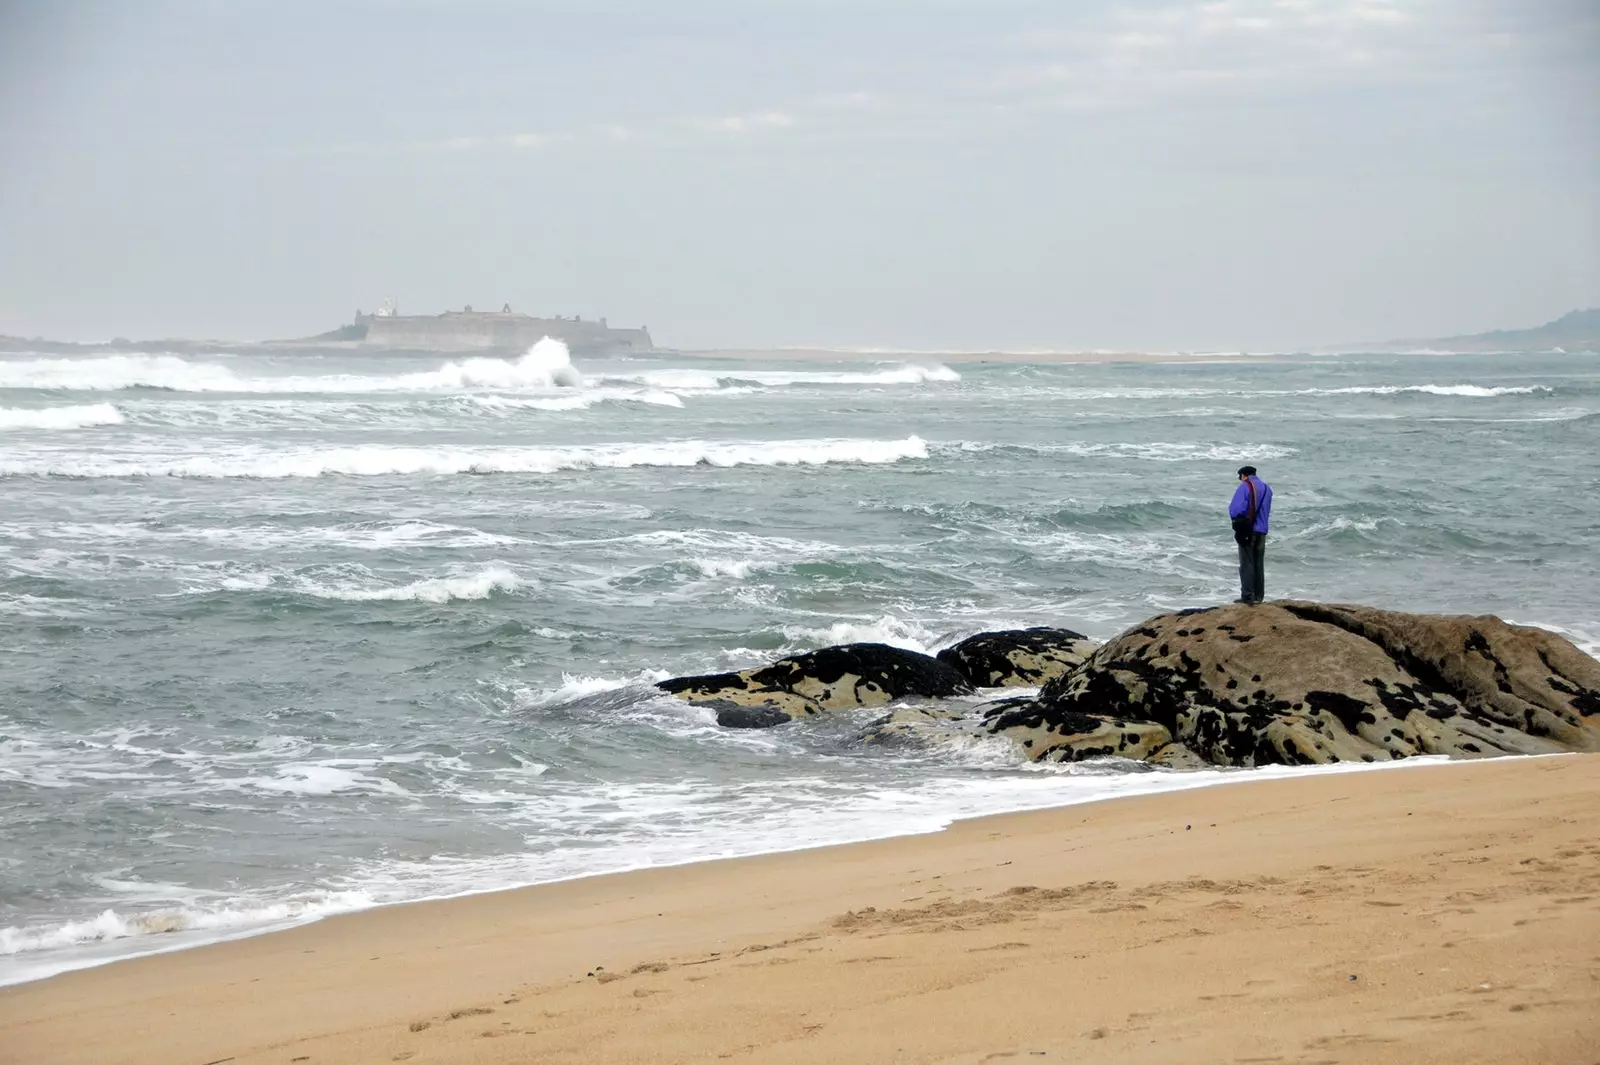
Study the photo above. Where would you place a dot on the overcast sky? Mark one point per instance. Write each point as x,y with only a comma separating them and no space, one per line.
915,174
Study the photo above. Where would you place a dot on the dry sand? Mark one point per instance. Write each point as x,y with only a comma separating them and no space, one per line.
1441,913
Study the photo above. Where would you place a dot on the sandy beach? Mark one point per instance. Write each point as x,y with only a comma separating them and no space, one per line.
1438,913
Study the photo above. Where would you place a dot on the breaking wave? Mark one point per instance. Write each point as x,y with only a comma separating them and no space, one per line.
80,417
382,460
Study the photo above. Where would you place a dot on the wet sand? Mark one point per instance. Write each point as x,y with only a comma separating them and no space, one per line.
1439,913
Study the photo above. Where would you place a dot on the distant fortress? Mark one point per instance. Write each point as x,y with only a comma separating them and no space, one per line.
502,330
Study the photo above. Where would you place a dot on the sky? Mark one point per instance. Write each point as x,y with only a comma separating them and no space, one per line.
877,174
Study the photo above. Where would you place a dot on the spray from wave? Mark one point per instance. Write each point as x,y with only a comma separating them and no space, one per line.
548,364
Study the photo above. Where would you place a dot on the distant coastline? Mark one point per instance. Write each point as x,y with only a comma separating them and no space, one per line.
505,332
1573,332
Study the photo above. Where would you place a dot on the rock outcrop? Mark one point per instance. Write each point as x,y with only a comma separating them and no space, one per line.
1300,683
833,678
1018,657
1286,683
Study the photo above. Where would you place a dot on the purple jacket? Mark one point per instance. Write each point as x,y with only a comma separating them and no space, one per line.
1241,503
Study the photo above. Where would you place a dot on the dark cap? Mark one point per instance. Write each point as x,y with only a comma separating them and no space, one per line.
1247,471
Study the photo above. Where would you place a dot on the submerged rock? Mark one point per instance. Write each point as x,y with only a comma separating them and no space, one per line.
1018,657
1301,683
833,678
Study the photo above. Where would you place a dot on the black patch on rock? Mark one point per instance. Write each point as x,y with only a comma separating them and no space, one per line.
1350,711
751,717
897,671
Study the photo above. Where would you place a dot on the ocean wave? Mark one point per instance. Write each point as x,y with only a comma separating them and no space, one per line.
80,417
379,460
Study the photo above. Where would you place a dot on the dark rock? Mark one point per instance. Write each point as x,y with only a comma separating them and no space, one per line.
1018,657
833,678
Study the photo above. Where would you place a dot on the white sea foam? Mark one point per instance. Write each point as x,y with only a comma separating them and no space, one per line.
578,686
80,417
218,920
738,569
332,777
379,460
897,632
1340,524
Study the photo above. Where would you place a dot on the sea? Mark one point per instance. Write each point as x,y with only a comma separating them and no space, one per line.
291,634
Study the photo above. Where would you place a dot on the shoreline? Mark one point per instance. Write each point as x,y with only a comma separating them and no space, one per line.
1114,787
810,955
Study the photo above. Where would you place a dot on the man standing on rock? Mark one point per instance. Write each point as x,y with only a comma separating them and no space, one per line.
1249,511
